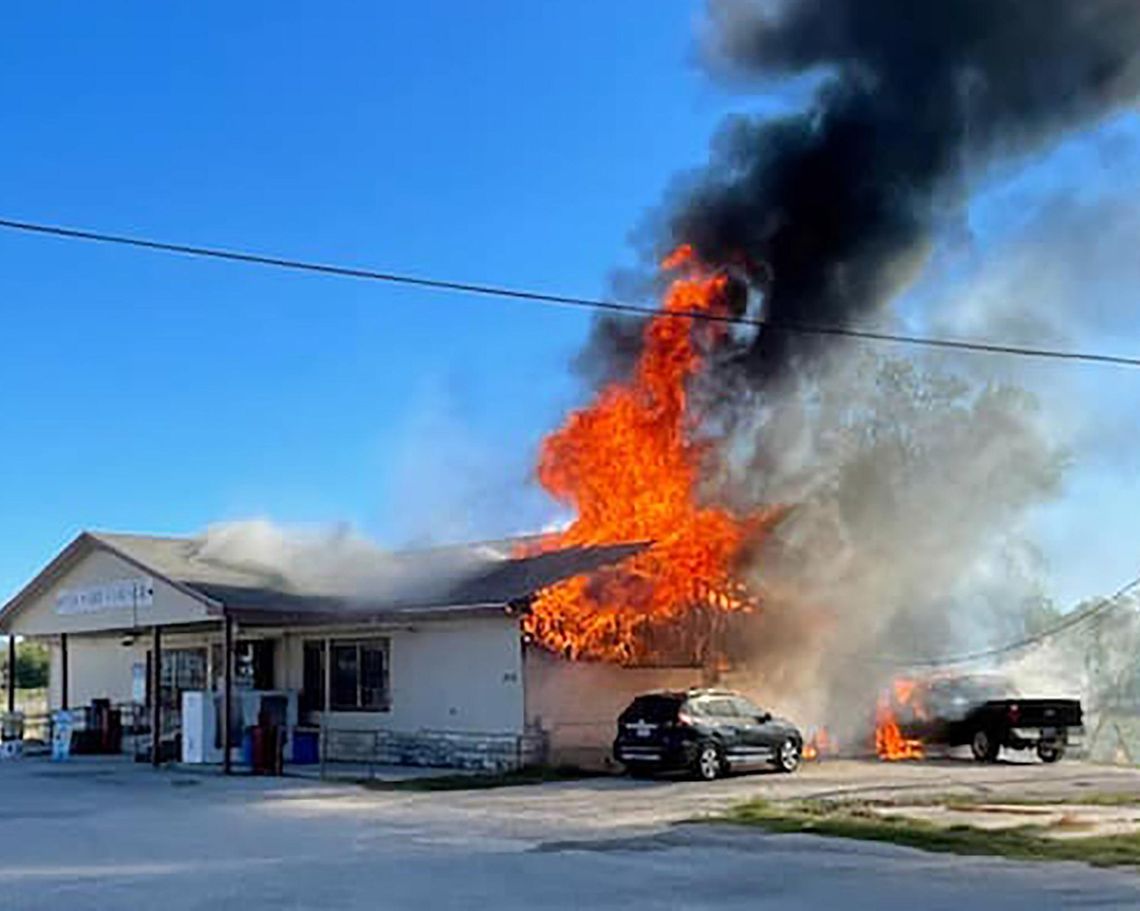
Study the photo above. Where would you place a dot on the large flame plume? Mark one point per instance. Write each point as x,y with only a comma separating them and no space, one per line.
629,465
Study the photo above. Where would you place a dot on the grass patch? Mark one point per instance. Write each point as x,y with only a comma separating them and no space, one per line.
481,781
854,820
1094,799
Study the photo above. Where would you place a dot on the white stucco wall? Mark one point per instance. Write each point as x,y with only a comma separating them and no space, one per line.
99,667
448,675
42,617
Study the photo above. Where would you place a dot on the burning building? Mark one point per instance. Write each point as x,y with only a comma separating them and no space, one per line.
428,667
630,466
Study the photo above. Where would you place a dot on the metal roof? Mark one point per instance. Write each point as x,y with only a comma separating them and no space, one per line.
367,584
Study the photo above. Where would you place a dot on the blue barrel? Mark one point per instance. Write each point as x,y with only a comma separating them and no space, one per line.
306,747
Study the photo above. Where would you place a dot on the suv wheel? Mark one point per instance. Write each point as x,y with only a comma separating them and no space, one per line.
709,765
788,755
985,746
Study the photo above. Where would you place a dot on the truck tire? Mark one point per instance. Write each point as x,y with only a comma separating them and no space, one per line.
985,746
1050,752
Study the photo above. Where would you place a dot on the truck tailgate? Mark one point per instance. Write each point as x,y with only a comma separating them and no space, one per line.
1042,713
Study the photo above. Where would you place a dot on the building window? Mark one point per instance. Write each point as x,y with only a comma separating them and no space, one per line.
182,669
358,678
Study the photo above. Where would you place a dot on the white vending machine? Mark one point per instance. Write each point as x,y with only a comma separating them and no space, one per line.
200,727
202,721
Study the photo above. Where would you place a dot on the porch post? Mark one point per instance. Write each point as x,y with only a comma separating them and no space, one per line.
326,709
11,673
328,676
227,692
63,673
156,699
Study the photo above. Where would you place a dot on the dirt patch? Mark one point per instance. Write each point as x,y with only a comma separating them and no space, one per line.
1060,820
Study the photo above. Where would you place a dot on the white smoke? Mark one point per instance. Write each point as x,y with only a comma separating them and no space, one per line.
340,561
922,485
909,490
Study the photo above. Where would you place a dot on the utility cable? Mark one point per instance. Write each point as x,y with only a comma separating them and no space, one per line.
1077,618
563,300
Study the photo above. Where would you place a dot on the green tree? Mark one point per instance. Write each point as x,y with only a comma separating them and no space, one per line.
31,666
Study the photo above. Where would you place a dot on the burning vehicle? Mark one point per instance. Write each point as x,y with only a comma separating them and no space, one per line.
984,712
707,732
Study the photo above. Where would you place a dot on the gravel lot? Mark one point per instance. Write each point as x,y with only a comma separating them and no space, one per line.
108,834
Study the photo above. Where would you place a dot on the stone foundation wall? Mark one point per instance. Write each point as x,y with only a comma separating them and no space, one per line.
437,749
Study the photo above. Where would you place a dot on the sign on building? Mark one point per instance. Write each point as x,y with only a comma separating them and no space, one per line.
119,594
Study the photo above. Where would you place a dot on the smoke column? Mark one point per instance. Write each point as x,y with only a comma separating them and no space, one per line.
830,212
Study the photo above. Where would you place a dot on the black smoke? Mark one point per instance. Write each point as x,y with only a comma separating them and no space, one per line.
829,211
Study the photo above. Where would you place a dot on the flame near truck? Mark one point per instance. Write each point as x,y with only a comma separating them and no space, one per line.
984,712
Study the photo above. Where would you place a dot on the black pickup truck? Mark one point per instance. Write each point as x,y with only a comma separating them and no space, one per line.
985,712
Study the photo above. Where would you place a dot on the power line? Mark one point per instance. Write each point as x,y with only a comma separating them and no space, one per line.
1075,619
563,300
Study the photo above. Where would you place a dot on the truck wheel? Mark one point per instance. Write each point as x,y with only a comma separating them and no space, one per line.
709,765
788,756
985,746
1049,752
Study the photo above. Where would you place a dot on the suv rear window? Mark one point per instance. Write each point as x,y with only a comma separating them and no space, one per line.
653,708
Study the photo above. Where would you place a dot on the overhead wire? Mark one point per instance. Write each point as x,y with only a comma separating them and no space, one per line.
1070,621
563,300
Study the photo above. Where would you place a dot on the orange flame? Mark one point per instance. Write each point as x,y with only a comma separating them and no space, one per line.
629,465
890,744
820,744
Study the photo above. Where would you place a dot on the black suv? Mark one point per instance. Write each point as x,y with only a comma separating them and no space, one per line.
707,732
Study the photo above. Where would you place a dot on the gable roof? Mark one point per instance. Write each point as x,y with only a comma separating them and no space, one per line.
466,578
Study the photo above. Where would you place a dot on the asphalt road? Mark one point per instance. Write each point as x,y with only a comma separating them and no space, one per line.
98,834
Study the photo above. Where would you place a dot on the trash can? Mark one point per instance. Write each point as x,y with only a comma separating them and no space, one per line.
306,747
266,749
247,747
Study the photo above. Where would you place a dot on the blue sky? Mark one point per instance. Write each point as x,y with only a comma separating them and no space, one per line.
508,142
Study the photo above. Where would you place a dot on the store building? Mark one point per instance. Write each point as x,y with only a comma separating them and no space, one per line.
432,680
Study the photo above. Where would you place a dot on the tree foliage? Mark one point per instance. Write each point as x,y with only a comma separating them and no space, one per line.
31,666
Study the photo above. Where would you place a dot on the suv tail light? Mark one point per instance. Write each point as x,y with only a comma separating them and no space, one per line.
683,718
1014,712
